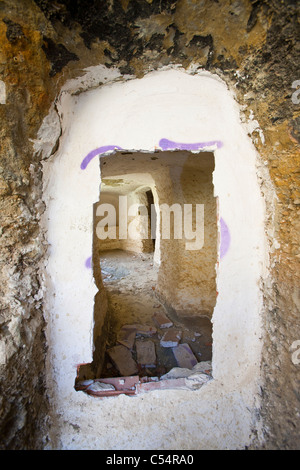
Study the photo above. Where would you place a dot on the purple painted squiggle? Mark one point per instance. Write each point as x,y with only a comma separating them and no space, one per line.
225,238
96,152
88,262
166,144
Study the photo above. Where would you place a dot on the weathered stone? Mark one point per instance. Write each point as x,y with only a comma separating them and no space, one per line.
123,360
83,384
161,320
86,383
184,356
171,338
146,355
180,372
99,387
145,330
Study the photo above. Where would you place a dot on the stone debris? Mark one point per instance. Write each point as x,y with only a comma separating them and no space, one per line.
126,336
194,381
171,338
152,348
184,356
100,387
161,320
145,330
85,383
203,366
121,357
178,372
145,351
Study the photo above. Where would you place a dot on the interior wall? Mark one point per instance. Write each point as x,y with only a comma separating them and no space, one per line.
164,107
137,242
187,278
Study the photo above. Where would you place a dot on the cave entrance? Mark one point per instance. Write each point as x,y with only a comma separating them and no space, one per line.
155,255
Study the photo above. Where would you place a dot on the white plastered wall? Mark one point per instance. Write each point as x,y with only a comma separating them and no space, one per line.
135,115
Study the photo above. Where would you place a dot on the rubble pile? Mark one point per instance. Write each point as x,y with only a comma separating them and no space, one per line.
152,350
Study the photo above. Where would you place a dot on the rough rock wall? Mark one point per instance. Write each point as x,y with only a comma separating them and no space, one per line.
254,47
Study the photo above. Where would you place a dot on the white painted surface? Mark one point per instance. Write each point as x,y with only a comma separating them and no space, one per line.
135,115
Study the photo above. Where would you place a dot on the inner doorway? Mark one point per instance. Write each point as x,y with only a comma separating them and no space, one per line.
160,295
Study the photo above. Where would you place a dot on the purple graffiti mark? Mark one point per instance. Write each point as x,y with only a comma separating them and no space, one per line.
96,152
88,263
166,144
225,238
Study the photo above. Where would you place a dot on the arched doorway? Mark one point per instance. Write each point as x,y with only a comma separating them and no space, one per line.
166,111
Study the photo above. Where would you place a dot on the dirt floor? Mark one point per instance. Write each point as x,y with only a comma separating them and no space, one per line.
130,280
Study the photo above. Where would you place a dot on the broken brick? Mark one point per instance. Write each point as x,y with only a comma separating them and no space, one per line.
171,338
161,320
184,356
123,360
122,383
126,336
145,330
146,355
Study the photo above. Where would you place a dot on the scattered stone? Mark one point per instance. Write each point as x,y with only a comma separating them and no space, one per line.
83,384
145,330
171,338
123,360
179,372
126,336
146,355
161,320
100,387
194,381
86,383
184,356
203,366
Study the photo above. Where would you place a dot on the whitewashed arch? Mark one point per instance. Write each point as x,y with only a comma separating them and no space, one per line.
146,114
